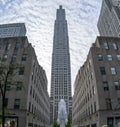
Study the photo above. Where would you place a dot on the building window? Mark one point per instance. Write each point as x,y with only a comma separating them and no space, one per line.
0,45
102,70
94,106
19,86
31,90
17,45
108,103
4,58
105,45
17,104
14,57
105,85
100,57
7,46
109,57
8,86
115,46
6,102
11,70
113,71
118,57
24,57
117,85
21,70
29,106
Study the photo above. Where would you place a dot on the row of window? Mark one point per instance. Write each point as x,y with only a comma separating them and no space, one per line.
14,57
20,70
8,46
103,72
16,103
18,86
106,45
109,57
106,86
109,103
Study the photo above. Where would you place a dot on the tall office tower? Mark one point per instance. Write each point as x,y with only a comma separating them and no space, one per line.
96,100
12,30
109,19
61,70
26,102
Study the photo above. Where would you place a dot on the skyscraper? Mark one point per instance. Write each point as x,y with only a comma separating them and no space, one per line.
109,19
61,70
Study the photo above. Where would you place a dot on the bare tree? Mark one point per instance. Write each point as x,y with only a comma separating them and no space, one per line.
6,75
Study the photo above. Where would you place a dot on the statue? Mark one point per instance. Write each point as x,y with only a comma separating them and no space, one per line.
62,113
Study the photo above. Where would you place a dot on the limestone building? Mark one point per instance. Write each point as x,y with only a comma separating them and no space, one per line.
28,103
12,30
96,100
109,19
61,70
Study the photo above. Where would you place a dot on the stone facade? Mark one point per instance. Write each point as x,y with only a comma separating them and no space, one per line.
96,100
109,19
28,102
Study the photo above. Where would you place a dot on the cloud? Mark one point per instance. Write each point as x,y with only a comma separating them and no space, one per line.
39,18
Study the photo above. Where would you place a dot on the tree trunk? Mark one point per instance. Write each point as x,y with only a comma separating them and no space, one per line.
3,100
3,112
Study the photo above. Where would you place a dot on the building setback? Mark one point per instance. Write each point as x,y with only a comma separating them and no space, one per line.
109,19
96,99
12,30
28,103
61,70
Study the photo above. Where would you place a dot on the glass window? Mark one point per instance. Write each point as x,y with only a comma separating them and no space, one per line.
113,71
21,70
105,45
115,46
0,45
17,45
94,106
7,46
118,57
6,102
11,70
117,85
29,106
24,57
19,86
100,57
109,57
8,87
14,57
108,103
105,85
17,104
4,58
102,70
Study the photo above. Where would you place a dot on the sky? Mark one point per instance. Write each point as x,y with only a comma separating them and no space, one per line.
39,16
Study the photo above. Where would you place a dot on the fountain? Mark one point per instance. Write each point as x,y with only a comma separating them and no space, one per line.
62,113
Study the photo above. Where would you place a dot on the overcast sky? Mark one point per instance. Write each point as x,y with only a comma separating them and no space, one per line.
39,16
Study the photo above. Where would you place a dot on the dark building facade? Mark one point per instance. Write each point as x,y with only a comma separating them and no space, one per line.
61,70
96,100
28,103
